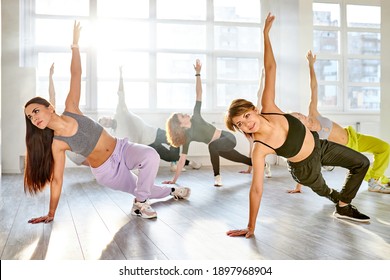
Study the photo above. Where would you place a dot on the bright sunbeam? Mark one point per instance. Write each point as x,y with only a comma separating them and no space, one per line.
104,35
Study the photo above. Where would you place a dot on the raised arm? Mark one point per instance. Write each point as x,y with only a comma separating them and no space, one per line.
261,89
52,92
73,99
313,111
268,99
198,68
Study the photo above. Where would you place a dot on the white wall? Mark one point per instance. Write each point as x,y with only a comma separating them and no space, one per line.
385,73
291,37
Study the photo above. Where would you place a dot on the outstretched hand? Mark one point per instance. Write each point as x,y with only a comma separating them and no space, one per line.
248,171
294,191
311,58
52,69
76,32
168,182
241,232
198,66
44,219
268,22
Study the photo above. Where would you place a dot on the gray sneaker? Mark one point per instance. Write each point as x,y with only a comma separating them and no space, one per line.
375,186
143,210
181,193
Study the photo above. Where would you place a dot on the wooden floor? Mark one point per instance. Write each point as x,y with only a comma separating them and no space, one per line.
94,222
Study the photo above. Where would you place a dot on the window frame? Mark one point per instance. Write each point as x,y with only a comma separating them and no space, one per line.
29,53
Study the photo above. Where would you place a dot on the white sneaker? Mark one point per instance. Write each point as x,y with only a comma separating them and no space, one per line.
267,170
181,193
375,186
143,210
174,167
195,165
218,181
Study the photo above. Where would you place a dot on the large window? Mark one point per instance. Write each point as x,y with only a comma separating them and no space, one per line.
347,41
156,42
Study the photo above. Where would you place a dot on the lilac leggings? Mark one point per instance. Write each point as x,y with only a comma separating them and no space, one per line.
116,174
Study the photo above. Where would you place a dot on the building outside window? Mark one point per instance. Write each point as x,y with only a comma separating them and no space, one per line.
346,39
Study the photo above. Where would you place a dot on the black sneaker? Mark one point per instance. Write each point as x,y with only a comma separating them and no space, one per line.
334,196
350,212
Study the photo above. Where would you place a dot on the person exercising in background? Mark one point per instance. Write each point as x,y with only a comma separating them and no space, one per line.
183,129
328,129
127,124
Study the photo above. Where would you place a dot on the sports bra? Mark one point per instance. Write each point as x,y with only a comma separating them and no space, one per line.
294,140
85,139
326,127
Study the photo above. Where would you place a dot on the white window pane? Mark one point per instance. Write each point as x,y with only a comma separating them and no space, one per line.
49,32
120,34
363,16
227,92
364,98
326,14
364,43
178,66
135,65
328,97
181,9
175,36
327,70
178,95
238,68
235,38
61,92
123,8
326,41
61,76
237,10
62,7
364,70
136,95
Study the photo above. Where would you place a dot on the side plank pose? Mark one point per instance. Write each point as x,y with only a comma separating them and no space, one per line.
49,135
275,132
127,124
327,129
182,129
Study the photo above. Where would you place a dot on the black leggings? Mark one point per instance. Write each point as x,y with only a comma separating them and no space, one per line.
169,153
224,147
327,153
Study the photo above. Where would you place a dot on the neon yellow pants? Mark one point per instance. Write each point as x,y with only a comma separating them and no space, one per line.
369,144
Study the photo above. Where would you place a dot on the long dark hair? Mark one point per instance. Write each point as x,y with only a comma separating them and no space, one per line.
39,158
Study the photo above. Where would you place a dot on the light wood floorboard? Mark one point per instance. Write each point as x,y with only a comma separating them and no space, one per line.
94,222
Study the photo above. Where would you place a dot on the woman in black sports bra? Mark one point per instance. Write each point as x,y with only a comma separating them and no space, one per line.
275,132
